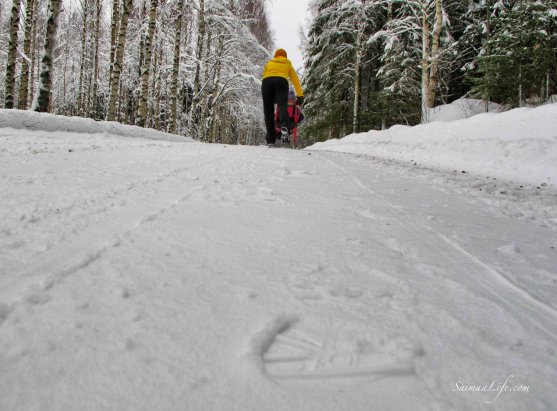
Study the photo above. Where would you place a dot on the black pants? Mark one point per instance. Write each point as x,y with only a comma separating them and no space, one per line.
275,90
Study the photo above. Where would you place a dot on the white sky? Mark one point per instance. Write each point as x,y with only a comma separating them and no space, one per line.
286,18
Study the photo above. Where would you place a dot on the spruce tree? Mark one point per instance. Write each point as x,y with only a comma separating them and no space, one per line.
521,64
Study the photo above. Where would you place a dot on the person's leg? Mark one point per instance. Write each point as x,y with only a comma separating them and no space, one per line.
282,102
268,94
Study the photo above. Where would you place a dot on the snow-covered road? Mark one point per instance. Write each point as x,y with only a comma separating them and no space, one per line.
152,275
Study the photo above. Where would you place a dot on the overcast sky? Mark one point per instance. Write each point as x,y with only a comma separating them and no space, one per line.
286,18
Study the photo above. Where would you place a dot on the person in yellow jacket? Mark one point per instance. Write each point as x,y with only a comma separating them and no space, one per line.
274,89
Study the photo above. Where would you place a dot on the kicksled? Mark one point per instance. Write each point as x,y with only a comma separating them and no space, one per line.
296,116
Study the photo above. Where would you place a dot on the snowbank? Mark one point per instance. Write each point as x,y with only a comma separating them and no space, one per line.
461,109
30,120
517,145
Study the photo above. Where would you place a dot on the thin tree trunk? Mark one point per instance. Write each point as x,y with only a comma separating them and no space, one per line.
85,11
155,87
144,93
89,60
118,58
357,81
141,59
42,98
204,94
434,65
158,93
175,67
12,56
115,26
24,82
486,96
214,104
114,30
520,85
34,58
64,73
425,65
94,110
198,56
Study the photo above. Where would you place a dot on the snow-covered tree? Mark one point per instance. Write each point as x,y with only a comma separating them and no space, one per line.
422,27
518,60
133,65
338,61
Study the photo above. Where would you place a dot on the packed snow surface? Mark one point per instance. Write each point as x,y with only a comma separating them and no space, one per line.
148,274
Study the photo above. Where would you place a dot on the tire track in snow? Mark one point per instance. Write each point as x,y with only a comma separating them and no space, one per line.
481,267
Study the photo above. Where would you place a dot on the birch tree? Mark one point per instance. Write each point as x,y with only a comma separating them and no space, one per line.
142,108
337,56
42,98
176,65
12,55
25,63
423,20
114,28
94,105
216,45
85,16
118,58
201,28
430,55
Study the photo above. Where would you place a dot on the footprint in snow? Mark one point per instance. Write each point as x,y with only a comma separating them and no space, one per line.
309,292
370,215
285,351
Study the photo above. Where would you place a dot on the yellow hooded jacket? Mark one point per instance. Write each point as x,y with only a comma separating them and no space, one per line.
282,67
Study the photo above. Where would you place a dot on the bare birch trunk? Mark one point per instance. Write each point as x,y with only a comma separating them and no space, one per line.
93,113
155,87
434,65
357,80
425,64
486,97
204,94
118,57
24,82
114,30
64,72
198,56
430,57
85,11
142,15
115,26
42,98
175,67
12,56
158,93
144,93
214,103
34,59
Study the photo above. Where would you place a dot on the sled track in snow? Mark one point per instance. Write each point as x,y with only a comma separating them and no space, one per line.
425,234
37,276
